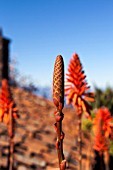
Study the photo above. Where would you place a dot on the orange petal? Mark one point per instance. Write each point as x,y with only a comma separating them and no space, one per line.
6,118
89,99
79,101
1,112
75,99
83,106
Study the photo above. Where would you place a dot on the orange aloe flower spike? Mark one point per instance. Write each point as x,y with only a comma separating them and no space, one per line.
78,85
102,129
76,91
6,102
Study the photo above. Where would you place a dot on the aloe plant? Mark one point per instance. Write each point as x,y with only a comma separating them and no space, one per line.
102,127
8,112
77,92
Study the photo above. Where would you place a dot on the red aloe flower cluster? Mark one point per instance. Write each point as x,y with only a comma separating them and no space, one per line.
6,102
8,112
76,87
102,129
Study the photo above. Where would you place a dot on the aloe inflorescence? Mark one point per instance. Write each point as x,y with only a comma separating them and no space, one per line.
58,99
77,93
58,83
102,128
8,113
76,87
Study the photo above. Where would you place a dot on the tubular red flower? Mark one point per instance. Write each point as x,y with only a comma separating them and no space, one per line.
102,129
76,87
6,102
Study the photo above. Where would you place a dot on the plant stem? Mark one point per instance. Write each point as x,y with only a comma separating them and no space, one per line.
60,142
11,135
11,153
106,159
60,136
101,162
79,138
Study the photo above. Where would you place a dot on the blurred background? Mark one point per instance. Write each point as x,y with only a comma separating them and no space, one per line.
38,31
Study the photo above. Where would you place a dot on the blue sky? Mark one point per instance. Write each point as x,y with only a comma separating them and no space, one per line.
41,29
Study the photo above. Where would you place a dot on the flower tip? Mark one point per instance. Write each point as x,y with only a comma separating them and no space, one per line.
4,82
59,57
75,54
